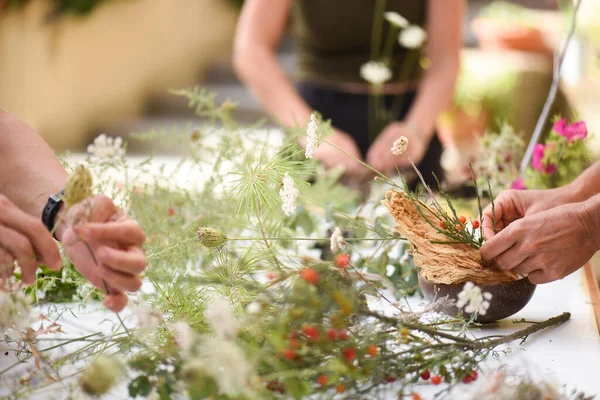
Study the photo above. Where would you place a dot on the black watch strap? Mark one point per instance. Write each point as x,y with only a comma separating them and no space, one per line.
51,209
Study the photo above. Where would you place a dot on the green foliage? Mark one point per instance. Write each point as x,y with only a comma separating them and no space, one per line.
75,7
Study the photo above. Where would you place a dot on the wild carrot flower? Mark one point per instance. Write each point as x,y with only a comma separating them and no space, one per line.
288,193
15,314
220,317
337,240
396,19
412,37
107,149
400,145
226,362
183,335
312,131
375,72
254,308
473,299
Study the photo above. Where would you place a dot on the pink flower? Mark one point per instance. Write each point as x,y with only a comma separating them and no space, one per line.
537,163
576,130
519,184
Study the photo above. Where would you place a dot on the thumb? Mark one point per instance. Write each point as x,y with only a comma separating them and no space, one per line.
116,300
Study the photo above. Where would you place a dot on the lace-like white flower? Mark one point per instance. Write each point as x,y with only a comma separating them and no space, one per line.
15,314
106,148
412,37
183,335
396,19
226,362
288,193
473,299
337,241
375,72
400,145
312,131
148,318
220,317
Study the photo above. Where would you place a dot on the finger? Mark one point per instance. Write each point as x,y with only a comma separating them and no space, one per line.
99,208
131,261
7,264
526,267
497,245
116,300
511,258
35,232
21,250
119,280
540,276
127,232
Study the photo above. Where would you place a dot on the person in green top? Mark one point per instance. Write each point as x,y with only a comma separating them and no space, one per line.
334,39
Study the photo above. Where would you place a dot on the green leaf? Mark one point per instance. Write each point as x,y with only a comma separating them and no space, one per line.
140,386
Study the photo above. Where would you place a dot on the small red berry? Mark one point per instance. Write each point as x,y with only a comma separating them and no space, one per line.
475,224
290,354
426,375
339,388
294,343
349,354
310,275
311,332
467,379
372,350
436,380
443,224
474,375
171,211
459,227
416,396
390,379
332,334
322,380
462,219
342,260
343,335
271,275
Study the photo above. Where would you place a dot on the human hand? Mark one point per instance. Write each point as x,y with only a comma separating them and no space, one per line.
512,205
380,154
25,239
332,157
545,246
115,242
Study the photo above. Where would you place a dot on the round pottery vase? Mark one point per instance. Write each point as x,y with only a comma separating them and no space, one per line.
508,298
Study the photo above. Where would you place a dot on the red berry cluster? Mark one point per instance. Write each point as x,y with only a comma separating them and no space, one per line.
342,260
462,220
310,275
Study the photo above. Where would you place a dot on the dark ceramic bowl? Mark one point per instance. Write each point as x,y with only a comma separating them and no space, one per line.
508,298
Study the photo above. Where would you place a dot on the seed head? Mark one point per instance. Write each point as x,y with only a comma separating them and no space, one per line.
79,186
210,237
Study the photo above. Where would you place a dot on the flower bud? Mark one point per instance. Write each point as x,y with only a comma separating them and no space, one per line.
101,376
79,186
210,237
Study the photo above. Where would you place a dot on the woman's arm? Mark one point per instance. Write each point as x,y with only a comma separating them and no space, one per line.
435,92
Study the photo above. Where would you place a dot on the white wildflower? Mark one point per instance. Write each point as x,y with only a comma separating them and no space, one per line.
288,193
396,19
148,318
400,145
106,148
183,335
337,240
254,308
312,131
227,364
473,299
389,270
15,314
412,37
220,317
375,72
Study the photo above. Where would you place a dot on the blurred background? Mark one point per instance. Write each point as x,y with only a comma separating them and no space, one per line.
76,68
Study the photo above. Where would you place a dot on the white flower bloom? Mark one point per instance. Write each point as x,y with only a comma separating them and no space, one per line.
412,37
107,148
288,193
375,72
473,300
400,145
254,308
220,317
389,270
337,241
396,19
15,314
227,364
183,335
148,318
312,131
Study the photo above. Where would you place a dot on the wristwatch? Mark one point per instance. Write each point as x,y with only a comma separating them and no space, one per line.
51,209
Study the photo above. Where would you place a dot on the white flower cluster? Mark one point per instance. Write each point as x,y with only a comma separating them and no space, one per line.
288,193
148,318
183,335
396,19
312,131
107,149
226,362
15,314
220,317
375,72
400,146
412,37
337,241
473,299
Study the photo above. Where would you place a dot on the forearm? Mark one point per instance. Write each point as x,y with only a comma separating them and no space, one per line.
259,69
585,186
29,169
434,95
591,219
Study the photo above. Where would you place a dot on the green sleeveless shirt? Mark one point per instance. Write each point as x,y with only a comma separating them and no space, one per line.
333,37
